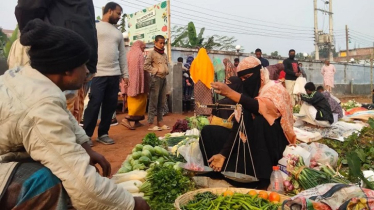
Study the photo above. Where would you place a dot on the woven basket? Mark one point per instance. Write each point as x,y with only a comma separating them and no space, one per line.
185,198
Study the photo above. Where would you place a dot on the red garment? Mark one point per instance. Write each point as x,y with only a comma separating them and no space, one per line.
138,78
282,74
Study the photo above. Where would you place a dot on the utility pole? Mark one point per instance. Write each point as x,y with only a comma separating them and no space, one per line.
371,68
331,56
169,32
316,30
346,42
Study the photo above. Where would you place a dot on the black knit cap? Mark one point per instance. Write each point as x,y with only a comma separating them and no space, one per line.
54,49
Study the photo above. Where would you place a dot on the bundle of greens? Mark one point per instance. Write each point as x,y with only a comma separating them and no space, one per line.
208,200
309,178
152,139
172,141
163,185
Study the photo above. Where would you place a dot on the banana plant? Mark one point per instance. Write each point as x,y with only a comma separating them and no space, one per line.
10,41
187,37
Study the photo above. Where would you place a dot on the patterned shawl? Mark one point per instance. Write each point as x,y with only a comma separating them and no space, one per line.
138,78
230,69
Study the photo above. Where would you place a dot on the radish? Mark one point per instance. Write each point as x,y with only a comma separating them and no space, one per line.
286,183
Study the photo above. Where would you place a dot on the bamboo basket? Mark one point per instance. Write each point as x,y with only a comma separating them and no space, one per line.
185,198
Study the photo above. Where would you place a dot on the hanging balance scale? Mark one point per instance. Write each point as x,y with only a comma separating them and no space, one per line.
242,141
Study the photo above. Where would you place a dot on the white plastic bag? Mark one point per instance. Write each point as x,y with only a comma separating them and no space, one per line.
299,86
306,136
192,154
293,150
321,153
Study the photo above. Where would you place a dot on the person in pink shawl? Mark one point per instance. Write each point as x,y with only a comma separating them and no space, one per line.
138,87
328,71
230,69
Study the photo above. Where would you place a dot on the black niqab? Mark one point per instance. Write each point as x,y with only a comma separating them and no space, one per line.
251,85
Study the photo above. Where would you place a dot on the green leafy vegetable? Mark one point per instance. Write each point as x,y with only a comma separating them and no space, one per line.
151,139
354,164
163,185
361,143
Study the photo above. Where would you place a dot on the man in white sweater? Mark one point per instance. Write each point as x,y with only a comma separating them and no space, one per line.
111,67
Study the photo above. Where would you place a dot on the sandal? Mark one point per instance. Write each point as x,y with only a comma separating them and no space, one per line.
165,127
127,125
138,125
156,128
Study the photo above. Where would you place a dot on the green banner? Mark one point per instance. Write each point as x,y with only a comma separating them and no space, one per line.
145,25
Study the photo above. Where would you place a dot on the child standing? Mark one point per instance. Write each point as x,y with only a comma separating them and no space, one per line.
156,64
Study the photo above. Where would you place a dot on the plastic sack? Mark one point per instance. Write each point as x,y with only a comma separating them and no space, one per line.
306,136
293,150
332,196
299,86
192,154
321,153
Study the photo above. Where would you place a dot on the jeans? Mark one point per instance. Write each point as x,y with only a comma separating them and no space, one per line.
104,93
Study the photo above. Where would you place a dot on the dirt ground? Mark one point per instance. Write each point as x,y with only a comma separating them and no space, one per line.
126,139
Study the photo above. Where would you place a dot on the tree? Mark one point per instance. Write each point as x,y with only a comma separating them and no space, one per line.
187,37
98,18
3,41
274,54
10,41
299,56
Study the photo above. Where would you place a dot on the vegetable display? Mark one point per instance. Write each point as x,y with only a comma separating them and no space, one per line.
172,141
230,200
143,156
303,178
152,139
350,105
361,143
197,122
163,185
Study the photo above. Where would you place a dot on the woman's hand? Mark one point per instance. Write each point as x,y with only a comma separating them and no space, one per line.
221,88
224,90
216,162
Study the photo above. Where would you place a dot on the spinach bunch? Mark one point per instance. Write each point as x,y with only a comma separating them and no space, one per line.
163,185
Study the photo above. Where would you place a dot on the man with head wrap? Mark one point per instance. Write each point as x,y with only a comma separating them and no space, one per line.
268,119
78,16
43,151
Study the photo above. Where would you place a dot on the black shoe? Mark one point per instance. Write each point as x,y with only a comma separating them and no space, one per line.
114,122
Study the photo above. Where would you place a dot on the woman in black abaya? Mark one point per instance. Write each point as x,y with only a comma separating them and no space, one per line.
267,114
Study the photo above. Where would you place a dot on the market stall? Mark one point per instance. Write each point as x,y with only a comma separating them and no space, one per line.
328,174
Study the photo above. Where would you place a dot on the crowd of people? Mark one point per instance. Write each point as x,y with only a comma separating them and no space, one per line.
58,63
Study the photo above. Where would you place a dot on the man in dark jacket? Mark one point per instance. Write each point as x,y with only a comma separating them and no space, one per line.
264,61
292,73
319,102
76,15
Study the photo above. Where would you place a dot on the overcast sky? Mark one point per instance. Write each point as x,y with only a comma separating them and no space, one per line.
267,24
